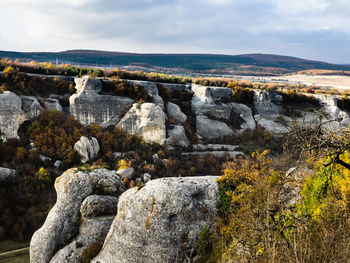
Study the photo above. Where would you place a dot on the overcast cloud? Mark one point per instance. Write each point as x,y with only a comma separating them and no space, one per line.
313,29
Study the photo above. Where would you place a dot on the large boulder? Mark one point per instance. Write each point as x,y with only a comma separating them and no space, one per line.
146,120
80,216
11,115
175,113
53,104
161,221
31,107
87,149
87,106
6,173
177,136
211,129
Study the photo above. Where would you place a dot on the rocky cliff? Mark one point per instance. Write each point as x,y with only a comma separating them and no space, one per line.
212,111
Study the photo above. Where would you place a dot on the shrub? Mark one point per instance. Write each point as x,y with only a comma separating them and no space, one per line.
90,252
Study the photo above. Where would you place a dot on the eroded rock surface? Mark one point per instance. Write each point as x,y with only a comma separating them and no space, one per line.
6,173
177,136
87,149
146,120
175,113
53,104
11,115
31,107
87,106
76,196
161,221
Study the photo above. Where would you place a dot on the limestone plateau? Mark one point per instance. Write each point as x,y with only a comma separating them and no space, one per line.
211,106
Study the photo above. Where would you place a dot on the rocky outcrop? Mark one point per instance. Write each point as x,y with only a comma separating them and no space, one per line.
175,113
87,106
87,149
268,110
152,90
161,221
53,104
80,216
6,173
177,136
208,128
31,107
212,105
332,111
146,120
11,115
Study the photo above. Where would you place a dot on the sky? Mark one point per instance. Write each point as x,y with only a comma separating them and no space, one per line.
311,29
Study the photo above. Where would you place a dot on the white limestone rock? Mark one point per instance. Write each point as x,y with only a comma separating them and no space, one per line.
88,107
161,221
53,104
11,115
57,164
177,136
267,103
87,149
61,225
332,111
175,113
146,120
126,173
207,128
31,107
6,173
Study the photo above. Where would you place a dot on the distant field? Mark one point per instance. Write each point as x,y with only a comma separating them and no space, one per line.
325,82
334,81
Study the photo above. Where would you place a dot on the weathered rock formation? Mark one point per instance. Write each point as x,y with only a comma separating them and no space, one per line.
146,120
161,221
31,107
11,115
177,136
81,215
53,104
175,113
216,116
268,110
6,173
87,149
87,106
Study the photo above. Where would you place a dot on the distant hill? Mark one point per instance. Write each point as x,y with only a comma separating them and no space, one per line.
263,63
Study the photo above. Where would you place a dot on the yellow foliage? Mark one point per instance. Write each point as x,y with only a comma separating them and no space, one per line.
123,164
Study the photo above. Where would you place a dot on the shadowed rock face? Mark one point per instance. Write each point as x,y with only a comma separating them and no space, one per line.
161,221
87,106
79,217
